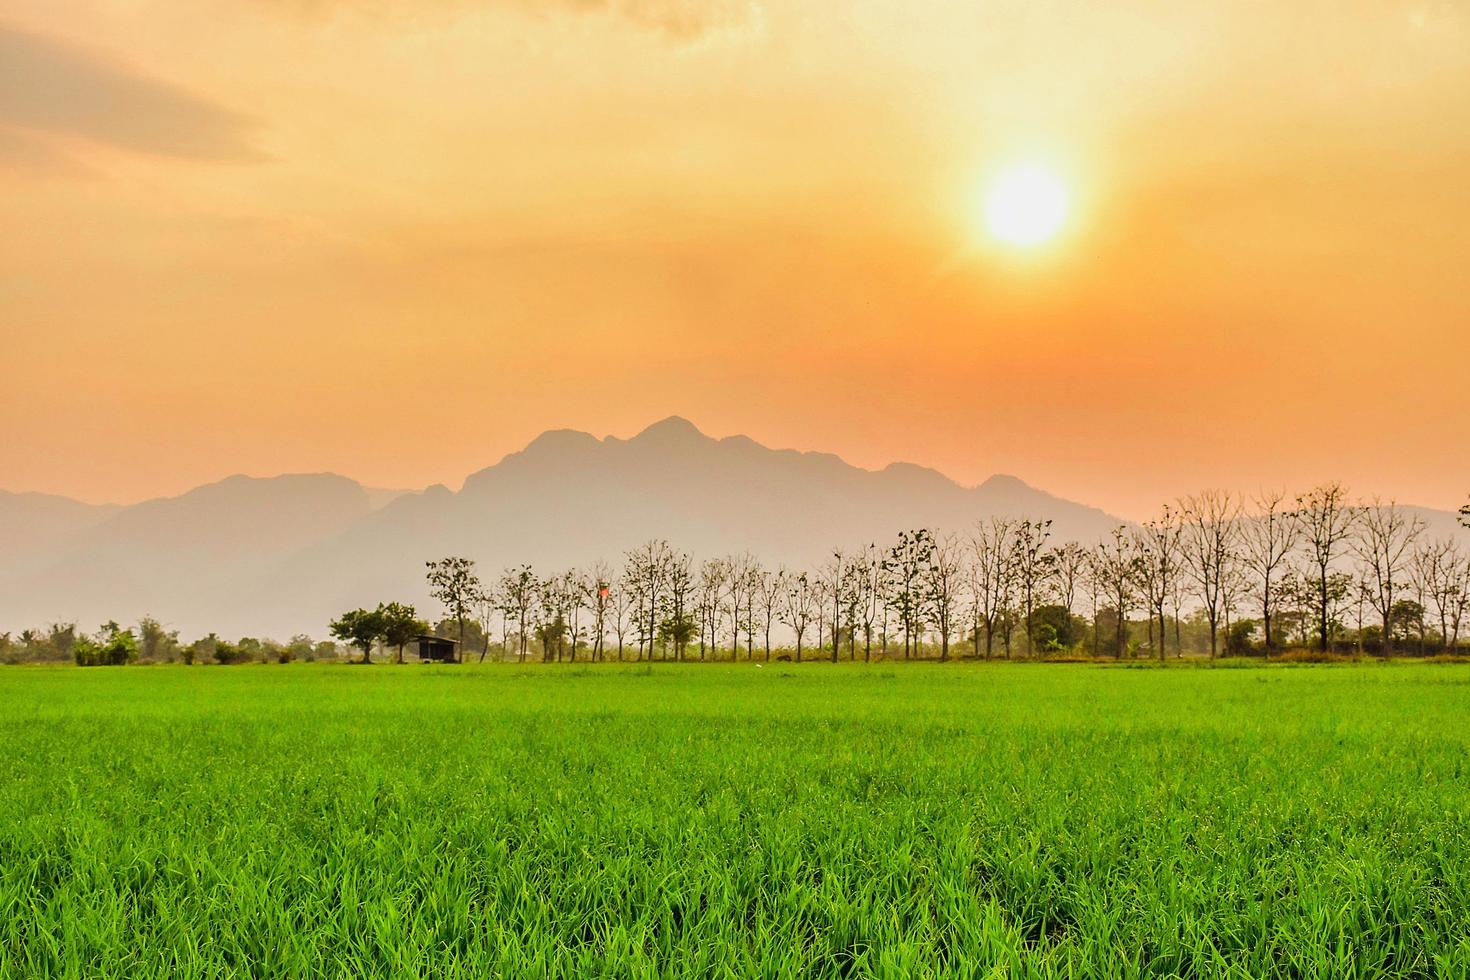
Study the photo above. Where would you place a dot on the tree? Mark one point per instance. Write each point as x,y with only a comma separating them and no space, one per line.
1211,522
453,582
647,572
943,578
1325,523
831,579
360,628
1033,563
1157,549
770,588
1447,570
869,595
1116,570
711,588
679,626
621,606
1269,537
906,564
398,624
737,585
155,642
1384,542
1069,572
992,576
599,583
799,608
518,588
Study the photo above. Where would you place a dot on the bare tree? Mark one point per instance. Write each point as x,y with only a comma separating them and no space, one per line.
770,588
1211,522
800,607
1325,523
1384,542
737,586
992,576
711,588
1157,548
943,581
621,605
599,594
647,570
906,563
1269,537
868,580
679,626
1068,574
1033,563
1116,570
518,589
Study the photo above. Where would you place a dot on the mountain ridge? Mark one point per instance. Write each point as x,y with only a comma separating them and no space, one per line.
280,555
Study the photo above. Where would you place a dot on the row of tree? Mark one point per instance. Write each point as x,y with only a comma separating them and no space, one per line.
150,642
1260,574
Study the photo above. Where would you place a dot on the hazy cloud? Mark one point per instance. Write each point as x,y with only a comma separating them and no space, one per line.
51,86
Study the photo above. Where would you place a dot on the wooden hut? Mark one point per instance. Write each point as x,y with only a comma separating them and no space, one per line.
437,649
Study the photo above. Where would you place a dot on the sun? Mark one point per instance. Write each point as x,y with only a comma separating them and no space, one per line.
1026,206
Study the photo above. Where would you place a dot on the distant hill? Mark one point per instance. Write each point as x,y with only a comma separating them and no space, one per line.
270,557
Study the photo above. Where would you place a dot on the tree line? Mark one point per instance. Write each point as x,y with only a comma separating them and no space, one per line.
1213,572
1244,576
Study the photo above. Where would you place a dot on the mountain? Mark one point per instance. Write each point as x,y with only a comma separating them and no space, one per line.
34,526
271,557
183,559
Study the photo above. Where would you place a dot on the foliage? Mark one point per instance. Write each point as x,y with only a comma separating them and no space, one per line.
360,628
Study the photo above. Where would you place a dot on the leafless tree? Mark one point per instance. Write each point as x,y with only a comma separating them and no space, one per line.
1211,522
518,588
992,576
737,586
770,588
942,586
1157,547
905,565
1325,522
1033,563
800,606
868,579
1384,542
1269,537
711,589
679,626
647,572
1068,573
622,602
599,585
1116,566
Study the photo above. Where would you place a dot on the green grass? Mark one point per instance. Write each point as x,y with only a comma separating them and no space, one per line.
705,821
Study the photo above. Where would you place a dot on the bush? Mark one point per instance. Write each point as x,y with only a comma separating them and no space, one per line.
1302,656
116,648
229,653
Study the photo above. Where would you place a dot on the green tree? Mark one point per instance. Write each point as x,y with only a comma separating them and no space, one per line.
360,628
453,582
400,623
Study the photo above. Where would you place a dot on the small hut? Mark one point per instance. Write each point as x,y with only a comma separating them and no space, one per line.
436,649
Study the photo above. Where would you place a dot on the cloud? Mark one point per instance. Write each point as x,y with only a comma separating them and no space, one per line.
53,87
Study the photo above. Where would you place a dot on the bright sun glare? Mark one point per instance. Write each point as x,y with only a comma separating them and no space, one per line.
1025,206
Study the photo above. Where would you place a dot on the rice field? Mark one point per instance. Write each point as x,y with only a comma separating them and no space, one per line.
669,820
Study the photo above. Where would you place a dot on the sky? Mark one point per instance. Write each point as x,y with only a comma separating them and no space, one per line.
397,240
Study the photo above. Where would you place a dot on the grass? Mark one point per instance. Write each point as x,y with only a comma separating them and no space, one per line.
791,820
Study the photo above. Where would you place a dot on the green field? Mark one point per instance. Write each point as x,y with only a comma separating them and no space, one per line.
730,820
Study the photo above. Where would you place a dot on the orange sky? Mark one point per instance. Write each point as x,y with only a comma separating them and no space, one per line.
256,235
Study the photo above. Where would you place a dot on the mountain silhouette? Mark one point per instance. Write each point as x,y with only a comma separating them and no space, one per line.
272,557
